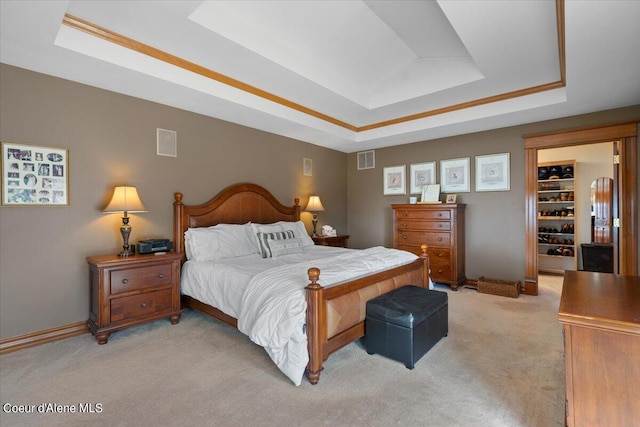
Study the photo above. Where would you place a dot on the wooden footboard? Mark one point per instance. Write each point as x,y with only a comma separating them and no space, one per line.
335,315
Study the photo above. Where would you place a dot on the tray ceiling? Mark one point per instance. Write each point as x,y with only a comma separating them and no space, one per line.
348,75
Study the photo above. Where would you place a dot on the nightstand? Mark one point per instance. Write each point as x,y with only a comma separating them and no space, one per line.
338,241
132,290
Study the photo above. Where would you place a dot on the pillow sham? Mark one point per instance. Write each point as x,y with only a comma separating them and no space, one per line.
263,238
219,242
285,246
299,230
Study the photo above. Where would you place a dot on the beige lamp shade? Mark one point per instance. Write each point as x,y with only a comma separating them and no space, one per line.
314,204
125,199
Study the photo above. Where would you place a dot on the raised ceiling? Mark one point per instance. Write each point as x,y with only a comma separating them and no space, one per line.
349,75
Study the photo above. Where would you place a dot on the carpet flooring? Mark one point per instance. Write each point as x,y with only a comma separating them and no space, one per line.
500,365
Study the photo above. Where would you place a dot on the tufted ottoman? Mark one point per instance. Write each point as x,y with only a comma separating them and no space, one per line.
405,323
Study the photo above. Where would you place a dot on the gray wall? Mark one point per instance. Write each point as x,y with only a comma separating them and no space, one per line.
495,237
112,141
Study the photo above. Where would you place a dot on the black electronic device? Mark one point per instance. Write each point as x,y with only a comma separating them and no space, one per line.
148,246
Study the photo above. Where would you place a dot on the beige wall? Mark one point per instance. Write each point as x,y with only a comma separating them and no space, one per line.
495,221
112,140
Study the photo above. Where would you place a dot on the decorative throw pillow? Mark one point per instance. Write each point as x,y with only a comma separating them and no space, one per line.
285,246
299,230
263,238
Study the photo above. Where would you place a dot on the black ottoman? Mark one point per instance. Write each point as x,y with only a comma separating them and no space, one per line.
405,323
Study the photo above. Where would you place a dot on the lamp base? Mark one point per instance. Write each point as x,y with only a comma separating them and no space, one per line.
125,254
315,224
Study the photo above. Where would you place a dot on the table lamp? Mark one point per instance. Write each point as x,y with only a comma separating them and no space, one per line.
125,199
314,205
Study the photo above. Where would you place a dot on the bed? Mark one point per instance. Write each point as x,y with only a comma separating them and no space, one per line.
334,316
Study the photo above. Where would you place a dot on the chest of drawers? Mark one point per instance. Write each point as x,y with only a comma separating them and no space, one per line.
132,290
441,228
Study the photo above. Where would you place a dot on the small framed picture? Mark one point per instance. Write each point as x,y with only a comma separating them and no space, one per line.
422,174
394,180
34,175
454,175
451,198
492,172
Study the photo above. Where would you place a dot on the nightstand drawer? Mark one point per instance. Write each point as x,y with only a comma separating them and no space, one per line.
140,305
132,279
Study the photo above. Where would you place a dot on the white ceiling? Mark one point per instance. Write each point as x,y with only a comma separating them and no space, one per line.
349,75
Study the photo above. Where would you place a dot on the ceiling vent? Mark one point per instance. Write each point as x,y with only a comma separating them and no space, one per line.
366,160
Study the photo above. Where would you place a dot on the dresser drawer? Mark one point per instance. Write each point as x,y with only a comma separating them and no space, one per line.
440,272
419,238
421,214
423,225
436,255
132,279
140,305
439,255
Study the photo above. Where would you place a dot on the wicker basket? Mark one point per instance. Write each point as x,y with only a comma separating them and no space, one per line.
504,288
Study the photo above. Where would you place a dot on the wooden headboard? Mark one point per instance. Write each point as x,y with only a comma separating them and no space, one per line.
237,204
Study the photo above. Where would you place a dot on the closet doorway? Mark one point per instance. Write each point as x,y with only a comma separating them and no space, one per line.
624,137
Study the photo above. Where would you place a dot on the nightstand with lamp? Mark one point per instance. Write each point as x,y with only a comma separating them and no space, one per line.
128,289
315,205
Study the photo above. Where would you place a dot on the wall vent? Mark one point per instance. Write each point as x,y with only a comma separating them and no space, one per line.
366,160
167,143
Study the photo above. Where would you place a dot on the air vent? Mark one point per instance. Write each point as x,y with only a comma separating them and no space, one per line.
366,160
167,143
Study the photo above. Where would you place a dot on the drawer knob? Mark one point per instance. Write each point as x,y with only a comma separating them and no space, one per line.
161,276
439,271
439,239
439,225
439,253
143,305
440,214
404,237
404,225
125,281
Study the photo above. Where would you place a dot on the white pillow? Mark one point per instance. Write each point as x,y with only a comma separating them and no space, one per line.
299,230
263,238
219,242
285,246
263,228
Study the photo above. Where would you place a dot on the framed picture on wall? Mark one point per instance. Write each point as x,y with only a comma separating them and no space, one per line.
34,175
454,175
492,172
394,180
422,174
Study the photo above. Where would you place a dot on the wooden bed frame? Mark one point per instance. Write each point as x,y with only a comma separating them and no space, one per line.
335,315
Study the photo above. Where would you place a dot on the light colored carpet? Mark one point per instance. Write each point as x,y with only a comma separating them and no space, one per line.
501,365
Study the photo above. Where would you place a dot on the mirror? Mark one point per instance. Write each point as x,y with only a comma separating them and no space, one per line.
601,210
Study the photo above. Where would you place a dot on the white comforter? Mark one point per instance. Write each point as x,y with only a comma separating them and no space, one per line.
273,309
267,295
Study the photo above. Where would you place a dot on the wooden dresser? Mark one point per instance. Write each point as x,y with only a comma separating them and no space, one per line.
441,228
132,290
600,316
